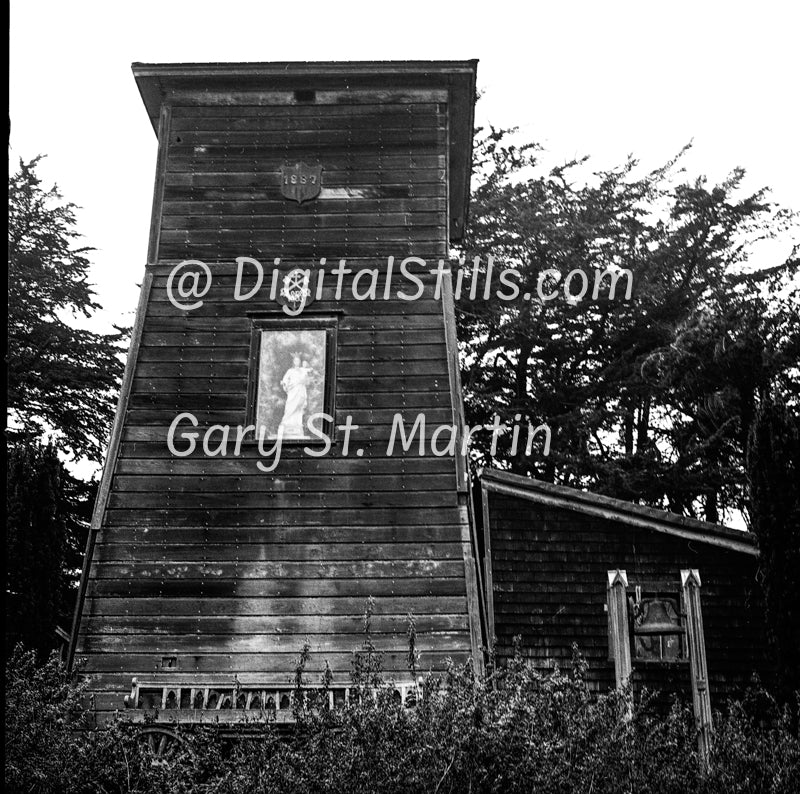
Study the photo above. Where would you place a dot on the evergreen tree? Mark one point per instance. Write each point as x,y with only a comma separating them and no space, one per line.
774,477
46,520
61,379
61,382
648,399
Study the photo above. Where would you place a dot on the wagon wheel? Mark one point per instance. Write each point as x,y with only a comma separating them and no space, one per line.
162,746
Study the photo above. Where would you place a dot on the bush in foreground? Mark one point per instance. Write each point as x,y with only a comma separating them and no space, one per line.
512,730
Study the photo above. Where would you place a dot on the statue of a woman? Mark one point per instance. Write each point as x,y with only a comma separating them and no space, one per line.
294,383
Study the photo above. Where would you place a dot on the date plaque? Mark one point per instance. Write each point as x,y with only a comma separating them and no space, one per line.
301,182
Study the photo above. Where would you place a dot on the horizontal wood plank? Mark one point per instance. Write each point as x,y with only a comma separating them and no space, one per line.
233,162
264,643
143,608
233,625
343,222
297,112
389,118
146,550
272,588
345,98
202,499
328,203
301,464
119,668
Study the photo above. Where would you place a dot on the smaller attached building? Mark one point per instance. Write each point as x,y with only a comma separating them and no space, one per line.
547,551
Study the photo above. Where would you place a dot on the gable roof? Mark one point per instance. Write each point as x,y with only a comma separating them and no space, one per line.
618,510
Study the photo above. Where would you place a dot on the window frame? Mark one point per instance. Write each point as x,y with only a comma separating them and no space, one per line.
329,324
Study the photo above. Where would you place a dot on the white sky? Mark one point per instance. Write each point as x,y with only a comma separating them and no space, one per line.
599,78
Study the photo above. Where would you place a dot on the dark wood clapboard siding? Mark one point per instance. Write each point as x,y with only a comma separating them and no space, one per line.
319,138
354,402
270,666
389,321
358,516
397,158
373,107
238,369
225,277
209,559
157,448
362,588
259,122
379,99
277,569
143,608
421,339
227,551
326,642
410,143
327,204
356,353
254,626
298,484
109,668
233,309
549,569
300,535
355,386
380,237
332,220
362,417
377,435
175,400
214,415
228,180
277,500
309,117
331,465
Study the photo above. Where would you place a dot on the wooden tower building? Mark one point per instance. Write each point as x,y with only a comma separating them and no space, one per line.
205,574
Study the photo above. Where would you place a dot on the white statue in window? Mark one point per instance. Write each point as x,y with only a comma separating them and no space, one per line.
295,384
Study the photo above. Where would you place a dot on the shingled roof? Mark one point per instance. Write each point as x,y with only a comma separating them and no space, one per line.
618,510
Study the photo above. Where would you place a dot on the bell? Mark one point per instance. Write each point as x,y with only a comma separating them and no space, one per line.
657,620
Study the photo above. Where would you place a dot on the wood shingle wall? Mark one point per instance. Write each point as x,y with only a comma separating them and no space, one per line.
549,569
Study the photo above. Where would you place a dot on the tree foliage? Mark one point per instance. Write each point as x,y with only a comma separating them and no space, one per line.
61,378
47,513
774,479
648,399
61,384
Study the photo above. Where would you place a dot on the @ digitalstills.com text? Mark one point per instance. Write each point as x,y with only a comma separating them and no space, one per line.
191,280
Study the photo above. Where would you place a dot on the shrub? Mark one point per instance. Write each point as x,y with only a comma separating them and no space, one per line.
42,709
514,729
